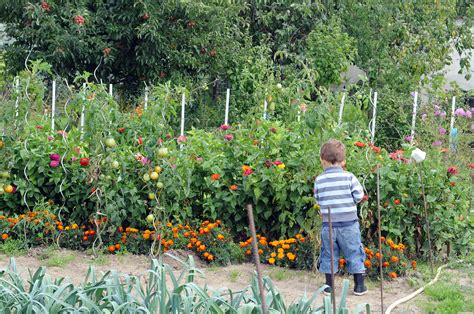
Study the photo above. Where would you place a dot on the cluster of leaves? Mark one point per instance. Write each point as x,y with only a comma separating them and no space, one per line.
150,293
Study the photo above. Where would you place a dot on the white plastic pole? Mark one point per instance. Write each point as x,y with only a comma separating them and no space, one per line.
83,115
451,125
299,116
110,90
413,121
374,116
53,105
146,98
227,101
183,103
265,109
341,109
17,101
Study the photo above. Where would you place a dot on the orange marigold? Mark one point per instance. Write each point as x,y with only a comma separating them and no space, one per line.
413,264
368,263
220,237
394,259
248,252
215,176
233,187
386,264
393,275
111,248
4,236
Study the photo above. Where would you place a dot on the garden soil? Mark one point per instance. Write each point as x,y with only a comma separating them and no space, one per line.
292,284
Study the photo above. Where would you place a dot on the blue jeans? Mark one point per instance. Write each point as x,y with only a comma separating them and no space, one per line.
346,241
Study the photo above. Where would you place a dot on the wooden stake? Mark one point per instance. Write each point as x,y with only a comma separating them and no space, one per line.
256,257
331,248
426,218
380,237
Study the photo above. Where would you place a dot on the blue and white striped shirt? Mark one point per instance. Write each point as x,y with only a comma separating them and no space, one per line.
341,191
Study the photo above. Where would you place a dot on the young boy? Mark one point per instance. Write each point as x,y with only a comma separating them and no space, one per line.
341,191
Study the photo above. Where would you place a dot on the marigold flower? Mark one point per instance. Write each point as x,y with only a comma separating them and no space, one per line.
4,237
220,237
291,256
206,254
281,255
271,260
210,257
342,262
273,254
233,187
385,264
281,166
378,255
394,259
392,275
368,263
245,168
260,251
413,265
248,252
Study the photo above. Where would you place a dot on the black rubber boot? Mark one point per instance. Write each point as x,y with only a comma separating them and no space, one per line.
359,287
328,290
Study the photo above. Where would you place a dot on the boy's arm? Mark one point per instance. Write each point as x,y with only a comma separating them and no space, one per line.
356,190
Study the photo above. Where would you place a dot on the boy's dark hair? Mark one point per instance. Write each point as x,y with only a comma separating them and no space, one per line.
333,151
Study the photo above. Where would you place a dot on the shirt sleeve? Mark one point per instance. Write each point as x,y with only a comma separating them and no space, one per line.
356,190
315,191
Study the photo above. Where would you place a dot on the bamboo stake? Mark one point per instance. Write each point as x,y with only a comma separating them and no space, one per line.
331,247
256,257
380,238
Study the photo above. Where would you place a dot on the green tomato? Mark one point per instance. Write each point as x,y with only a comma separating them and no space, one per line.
150,218
151,196
115,164
160,185
110,142
163,152
146,177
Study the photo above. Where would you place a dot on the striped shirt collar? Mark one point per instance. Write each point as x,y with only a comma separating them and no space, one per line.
333,169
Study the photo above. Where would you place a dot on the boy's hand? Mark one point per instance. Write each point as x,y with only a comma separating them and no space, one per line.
365,198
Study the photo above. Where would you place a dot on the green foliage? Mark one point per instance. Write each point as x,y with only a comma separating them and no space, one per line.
150,293
330,52
12,247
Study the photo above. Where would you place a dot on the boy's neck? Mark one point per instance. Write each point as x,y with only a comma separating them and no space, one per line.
327,165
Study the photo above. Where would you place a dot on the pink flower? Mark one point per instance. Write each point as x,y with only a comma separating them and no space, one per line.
63,133
199,159
443,114
54,164
460,112
277,162
248,172
54,157
472,126
442,131
50,138
40,127
468,114
145,161
73,158
173,166
408,138
228,137
423,117
77,150
224,127
452,170
436,143
181,139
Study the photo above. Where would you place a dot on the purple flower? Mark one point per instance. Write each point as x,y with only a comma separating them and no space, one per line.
73,158
228,137
54,157
436,143
468,114
423,117
472,126
54,164
412,94
460,112
199,159
50,138
443,114
442,131
145,161
225,127
408,138
437,113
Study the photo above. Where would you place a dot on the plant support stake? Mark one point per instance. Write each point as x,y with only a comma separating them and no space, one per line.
183,103
227,101
17,100
426,217
110,90
374,117
265,109
451,125
146,99
53,105
83,113
413,119
379,227
331,248
257,258
341,109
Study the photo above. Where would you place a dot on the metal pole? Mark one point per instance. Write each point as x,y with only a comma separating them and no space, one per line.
110,90
331,247
146,98
341,109
265,109
380,238
227,102
451,125
256,257
53,105
413,121
426,218
374,116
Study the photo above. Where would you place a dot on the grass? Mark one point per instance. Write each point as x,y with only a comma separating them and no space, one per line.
12,248
100,260
53,258
279,274
234,275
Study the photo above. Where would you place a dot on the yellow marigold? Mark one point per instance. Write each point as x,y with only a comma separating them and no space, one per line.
291,256
273,254
245,168
281,255
274,243
285,246
280,250
146,236
67,228
263,241
281,166
220,237
74,226
271,260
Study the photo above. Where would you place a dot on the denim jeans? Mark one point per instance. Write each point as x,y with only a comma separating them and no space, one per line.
347,243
